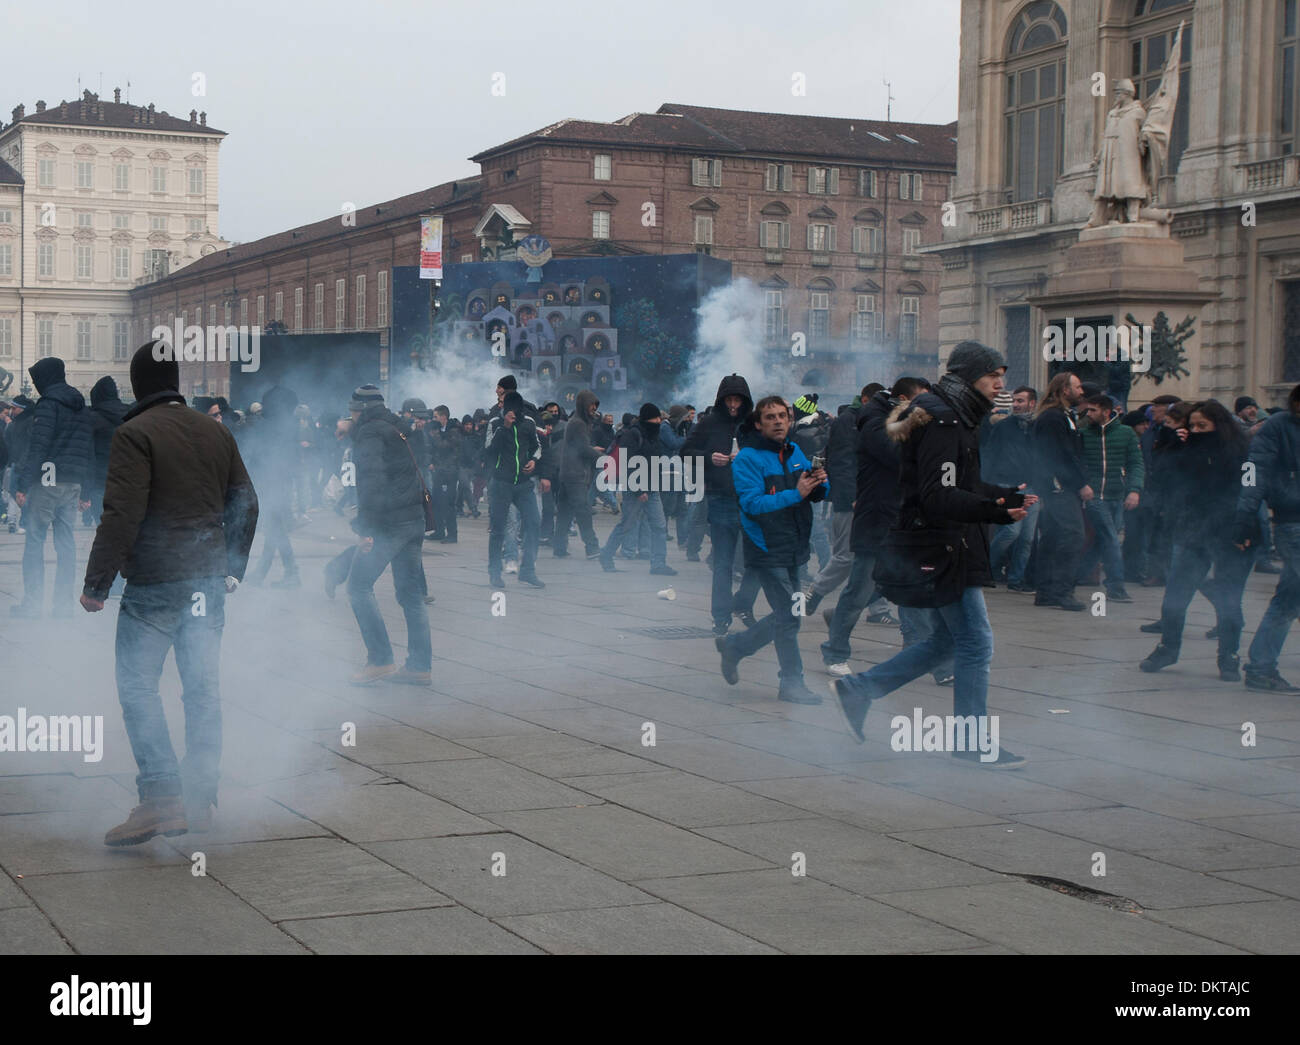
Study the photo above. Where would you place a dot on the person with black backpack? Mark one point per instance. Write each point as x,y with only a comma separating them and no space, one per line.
935,559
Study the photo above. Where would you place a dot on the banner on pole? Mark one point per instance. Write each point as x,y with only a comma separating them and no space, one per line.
431,247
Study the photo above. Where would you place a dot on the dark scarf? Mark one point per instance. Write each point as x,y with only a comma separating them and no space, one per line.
166,395
969,404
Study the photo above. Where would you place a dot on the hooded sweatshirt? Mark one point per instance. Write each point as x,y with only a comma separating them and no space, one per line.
713,434
61,433
578,456
107,411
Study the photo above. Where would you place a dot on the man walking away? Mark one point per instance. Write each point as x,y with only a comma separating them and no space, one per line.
776,489
179,516
945,503
577,459
1275,452
107,411
513,455
58,461
1063,485
390,528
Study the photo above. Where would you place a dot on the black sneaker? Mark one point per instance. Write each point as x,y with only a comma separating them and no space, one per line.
730,662
797,693
1213,633
532,580
945,679
1273,683
810,603
1161,657
1005,759
559,554
1154,628
1021,589
853,707
608,565
1230,668
692,556
747,619
495,581
1118,595
722,628
593,553
1069,603
663,571
882,618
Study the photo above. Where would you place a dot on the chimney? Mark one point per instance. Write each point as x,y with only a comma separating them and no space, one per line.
40,106
117,95
194,116
18,112
203,119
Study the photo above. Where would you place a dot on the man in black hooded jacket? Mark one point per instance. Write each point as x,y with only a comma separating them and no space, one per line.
48,485
107,411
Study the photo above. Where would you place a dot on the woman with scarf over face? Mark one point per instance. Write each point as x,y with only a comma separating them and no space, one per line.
1204,482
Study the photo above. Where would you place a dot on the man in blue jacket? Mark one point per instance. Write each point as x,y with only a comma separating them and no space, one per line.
1275,453
776,487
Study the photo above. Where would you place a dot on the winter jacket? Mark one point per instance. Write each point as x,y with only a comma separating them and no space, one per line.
776,520
510,449
842,459
1275,452
444,446
811,434
107,412
1204,486
1112,459
876,483
1007,450
577,454
18,437
1058,461
60,432
714,432
178,502
390,495
935,431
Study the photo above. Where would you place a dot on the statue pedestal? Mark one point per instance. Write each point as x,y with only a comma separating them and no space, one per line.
1118,270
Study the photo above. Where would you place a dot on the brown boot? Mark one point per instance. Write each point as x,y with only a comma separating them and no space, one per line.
154,816
372,673
412,678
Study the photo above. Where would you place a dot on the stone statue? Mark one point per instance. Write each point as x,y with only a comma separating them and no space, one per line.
1135,148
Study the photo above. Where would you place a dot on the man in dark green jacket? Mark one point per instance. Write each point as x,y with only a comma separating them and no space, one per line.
1112,459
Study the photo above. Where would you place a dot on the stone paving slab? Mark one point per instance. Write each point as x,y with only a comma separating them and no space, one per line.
534,880
484,785
559,756
643,929
24,930
1271,926
440,930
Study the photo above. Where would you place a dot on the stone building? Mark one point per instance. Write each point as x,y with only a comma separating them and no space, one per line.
1030,122
96,197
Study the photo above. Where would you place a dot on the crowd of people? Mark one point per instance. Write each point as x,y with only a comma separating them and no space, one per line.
913,498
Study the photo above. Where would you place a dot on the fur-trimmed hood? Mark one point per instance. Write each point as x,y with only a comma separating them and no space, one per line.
905,419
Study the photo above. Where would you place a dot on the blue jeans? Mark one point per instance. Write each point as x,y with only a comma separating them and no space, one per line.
153,619
780,627
635,513
917,626
855,598
1189,567
502,496
594,493
512,533
724,535
403,549
1107,518
50,506
959,630
1285,604
1012,544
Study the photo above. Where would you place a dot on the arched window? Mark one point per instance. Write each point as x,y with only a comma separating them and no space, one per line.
1034,111
1155,23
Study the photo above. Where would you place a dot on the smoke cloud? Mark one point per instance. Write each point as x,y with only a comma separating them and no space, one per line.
729,339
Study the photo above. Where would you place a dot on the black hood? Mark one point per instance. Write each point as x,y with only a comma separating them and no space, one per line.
734,385
47,372
104,389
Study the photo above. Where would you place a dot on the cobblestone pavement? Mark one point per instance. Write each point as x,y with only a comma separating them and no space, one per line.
518,807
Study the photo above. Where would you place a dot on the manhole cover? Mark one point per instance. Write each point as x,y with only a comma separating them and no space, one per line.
673,633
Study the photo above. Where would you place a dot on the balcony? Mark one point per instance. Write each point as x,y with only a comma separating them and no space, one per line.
1269,175
868,261
1013,217
911,264
821,261
773,257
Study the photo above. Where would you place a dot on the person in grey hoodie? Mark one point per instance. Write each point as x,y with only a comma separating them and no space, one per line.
577,460
49,481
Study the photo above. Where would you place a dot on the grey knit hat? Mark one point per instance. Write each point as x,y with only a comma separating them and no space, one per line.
366,395
970,361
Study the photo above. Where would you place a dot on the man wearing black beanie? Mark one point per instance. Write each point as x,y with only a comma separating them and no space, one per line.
179,516
639,453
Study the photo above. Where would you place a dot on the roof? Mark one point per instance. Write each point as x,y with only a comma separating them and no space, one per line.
410,206
90,111
9,176
702,129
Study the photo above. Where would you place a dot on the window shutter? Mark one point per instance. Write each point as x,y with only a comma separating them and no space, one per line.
916,186
697,178
717,172
787,176
810,233
904,189
769,179
831,245
785,234
762,234
857,239
834,187
810,180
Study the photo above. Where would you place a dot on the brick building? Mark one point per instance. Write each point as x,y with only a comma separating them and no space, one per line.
827,216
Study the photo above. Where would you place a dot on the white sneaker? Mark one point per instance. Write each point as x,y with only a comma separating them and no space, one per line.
841,669
512,567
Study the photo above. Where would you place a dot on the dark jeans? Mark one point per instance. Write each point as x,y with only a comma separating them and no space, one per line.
691,526
959,630
572,506
637,512
153,619
1189,567
403,549
725,537
1013,543
276,539
443,492
501,495
1107,519
857,596
780,627
50,506
1060,545
1284,606
1137,537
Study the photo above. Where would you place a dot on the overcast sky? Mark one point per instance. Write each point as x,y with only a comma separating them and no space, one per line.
327,102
